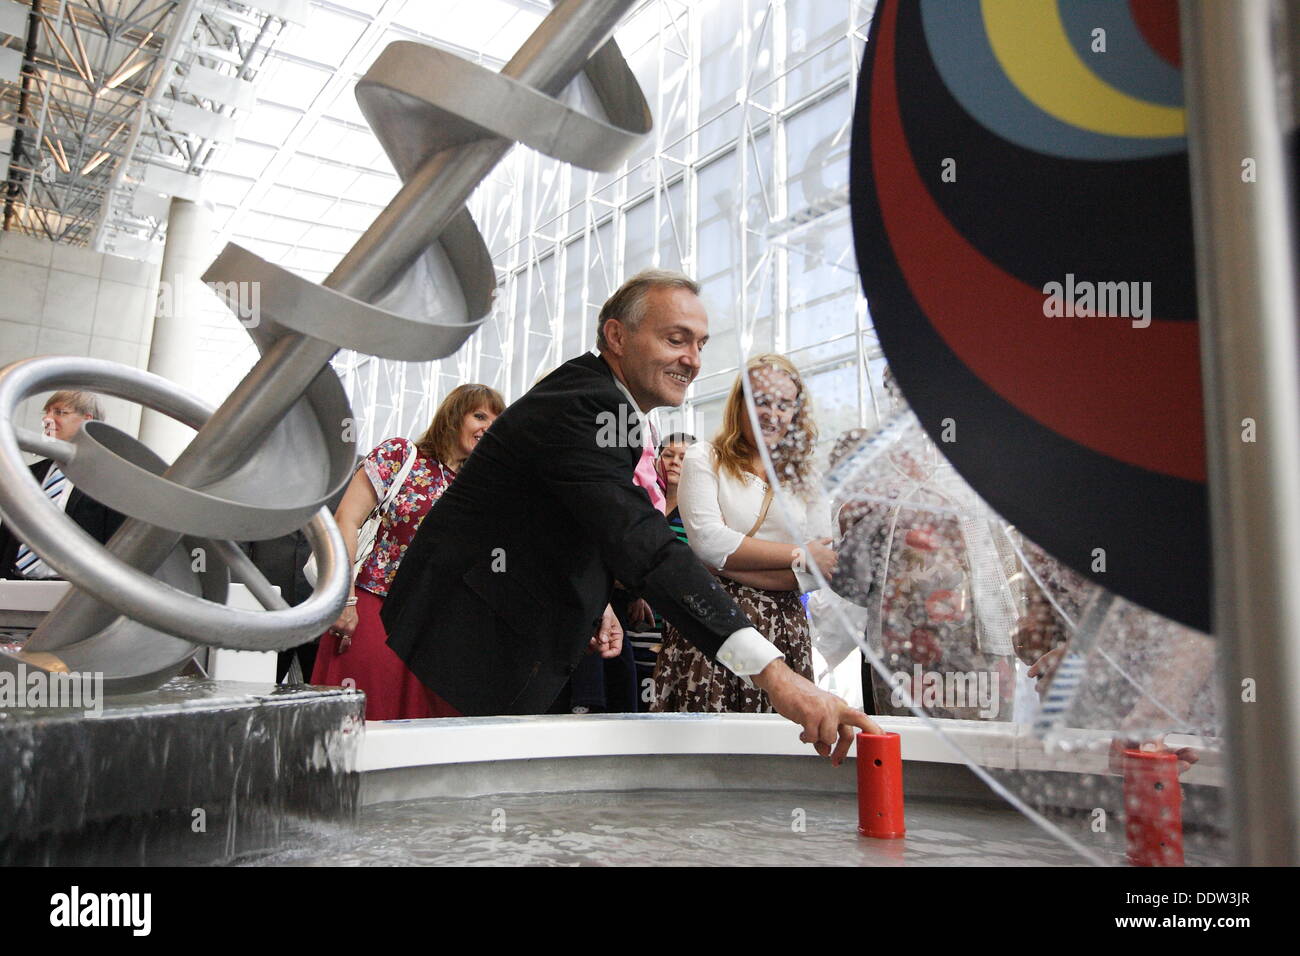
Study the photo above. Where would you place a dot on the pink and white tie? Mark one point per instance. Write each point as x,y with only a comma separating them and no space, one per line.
645,474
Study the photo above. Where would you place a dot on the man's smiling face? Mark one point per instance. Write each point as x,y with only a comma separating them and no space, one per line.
661,358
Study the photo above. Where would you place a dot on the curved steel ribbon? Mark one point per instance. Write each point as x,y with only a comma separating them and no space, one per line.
430,110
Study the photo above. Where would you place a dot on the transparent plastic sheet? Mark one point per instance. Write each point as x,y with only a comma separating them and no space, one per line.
1037,679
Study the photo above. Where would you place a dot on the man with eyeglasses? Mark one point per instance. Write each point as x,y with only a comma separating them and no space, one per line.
63,416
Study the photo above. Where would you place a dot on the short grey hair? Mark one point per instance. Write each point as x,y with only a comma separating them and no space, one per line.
83,403
628,304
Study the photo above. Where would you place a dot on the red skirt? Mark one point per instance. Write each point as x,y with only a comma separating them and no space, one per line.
392,691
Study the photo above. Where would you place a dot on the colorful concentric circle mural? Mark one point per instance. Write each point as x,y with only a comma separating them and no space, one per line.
1022,218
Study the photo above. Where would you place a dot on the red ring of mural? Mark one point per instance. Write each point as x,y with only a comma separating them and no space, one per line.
1157,21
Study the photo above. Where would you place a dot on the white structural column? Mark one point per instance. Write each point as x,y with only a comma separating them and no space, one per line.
186,255
1246,252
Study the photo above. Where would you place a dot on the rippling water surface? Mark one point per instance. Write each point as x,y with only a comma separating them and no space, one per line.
676,828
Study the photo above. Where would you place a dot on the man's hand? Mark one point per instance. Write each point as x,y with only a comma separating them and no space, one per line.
608,640
1044,669
827,721
638,612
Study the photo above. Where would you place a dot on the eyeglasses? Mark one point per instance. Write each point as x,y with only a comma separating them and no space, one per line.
782,405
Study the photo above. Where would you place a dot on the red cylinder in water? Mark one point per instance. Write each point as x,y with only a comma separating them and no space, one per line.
880,786
1153,809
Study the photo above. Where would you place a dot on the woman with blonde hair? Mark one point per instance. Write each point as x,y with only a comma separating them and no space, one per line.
734,527
356,647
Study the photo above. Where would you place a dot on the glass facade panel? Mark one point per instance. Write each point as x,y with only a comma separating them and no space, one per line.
574,312
817,151
742,183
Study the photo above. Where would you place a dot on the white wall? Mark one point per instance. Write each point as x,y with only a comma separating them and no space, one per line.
65,300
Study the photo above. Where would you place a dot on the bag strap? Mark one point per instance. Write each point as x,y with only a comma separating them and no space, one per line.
762,514
398,481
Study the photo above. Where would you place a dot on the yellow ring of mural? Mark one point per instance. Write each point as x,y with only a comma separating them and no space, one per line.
1029,41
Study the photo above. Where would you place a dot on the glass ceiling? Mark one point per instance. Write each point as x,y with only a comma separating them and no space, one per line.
306,175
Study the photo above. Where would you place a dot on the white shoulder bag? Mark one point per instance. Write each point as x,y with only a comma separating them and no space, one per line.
369,529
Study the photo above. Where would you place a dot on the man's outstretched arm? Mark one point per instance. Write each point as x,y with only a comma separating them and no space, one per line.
594,484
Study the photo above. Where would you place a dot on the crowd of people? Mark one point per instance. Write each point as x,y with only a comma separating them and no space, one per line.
532,558
709,493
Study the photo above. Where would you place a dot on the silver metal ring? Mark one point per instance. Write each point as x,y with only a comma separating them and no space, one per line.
91,567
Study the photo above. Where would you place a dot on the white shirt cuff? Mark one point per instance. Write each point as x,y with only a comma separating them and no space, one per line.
746,653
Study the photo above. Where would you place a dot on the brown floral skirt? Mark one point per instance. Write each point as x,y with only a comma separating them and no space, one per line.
687,681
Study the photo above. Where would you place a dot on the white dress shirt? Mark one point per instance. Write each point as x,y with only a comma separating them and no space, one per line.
649,433
718,509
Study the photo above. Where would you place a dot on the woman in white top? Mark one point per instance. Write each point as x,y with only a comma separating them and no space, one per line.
736,528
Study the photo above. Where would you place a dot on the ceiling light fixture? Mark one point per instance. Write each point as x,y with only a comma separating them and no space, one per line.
91,166
60,157
121,77
49,28
124,69
81,47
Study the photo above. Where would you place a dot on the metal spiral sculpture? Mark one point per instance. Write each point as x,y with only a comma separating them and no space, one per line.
263,464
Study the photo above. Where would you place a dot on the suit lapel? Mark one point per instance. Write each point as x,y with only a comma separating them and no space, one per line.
590,360
74,501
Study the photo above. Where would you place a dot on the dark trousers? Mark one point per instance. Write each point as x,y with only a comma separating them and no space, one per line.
603,686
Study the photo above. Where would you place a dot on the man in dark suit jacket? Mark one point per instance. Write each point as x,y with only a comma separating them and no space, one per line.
498,596
63,415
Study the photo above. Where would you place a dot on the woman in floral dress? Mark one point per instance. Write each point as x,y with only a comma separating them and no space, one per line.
355,652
